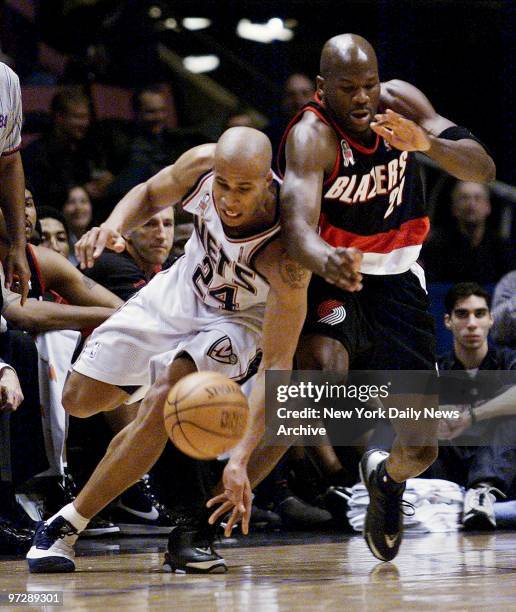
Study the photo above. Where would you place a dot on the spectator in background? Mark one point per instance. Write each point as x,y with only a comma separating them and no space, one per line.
20,430
483,455
504,311
153,145
298,90
146,250
69,154
468,251
54,234
78,213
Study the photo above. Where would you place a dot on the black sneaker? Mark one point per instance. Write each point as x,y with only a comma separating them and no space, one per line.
14,541
336,500
138,511
52,550
383,529
190,551
98,527
298,514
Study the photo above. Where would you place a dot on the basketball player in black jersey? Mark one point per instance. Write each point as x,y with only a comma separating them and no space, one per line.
353,213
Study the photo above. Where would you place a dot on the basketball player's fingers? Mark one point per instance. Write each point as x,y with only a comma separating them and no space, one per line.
82,247
218,499
220,511
246,516
382,131
233,520
103,238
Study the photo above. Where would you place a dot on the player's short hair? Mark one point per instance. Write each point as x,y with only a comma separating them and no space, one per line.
68,97
462,291
136,100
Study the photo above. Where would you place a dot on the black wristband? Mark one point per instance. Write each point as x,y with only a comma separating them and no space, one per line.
457,132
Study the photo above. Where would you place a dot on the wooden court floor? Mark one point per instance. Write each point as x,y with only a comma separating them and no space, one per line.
282,573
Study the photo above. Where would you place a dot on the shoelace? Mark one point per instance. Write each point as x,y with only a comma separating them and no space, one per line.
51,533
482,492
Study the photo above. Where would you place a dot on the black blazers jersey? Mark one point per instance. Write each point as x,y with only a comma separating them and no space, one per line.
372,200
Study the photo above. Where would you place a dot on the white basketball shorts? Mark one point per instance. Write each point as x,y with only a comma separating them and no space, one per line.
164,319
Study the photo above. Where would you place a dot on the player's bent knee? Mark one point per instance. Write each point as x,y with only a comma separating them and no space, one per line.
84,396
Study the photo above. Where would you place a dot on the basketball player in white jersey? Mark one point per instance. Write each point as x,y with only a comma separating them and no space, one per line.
233,294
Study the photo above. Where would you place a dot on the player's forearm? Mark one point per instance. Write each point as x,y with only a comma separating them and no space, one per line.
36,317
304,244
256,423
502,405
12,183
133,210
84,291
463,159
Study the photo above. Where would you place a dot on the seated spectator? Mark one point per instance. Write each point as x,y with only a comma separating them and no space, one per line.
88,304
146,250
483,455
153,145
54,234
298,90
468,251
504,311
78,215
69,153
20,429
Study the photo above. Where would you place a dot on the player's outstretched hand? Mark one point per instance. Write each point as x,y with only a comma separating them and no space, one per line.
400,132
94,241
343,268
237,499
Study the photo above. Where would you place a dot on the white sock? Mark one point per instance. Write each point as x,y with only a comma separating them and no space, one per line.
69,513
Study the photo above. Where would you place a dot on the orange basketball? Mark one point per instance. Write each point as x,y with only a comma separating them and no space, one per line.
205,414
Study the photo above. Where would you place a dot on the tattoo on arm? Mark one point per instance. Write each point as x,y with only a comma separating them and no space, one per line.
292,273
88,282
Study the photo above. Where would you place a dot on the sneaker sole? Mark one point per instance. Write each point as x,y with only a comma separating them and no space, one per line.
100,531
218,567
131,529
51,565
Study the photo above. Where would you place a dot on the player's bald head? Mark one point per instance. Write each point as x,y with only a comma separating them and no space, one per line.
346,51
245,149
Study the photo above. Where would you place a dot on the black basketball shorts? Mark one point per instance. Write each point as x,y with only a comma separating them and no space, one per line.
385,326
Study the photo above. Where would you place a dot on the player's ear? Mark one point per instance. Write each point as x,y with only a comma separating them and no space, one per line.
447,321
319,82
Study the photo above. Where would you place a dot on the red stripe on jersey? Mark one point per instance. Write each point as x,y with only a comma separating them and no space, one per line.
410,233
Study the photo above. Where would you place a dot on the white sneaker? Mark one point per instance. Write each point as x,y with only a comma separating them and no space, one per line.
479,508
52,548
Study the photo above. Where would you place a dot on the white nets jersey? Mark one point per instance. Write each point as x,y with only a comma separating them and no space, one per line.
10,111
221,268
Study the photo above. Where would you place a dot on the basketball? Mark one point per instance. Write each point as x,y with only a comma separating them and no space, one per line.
205,414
